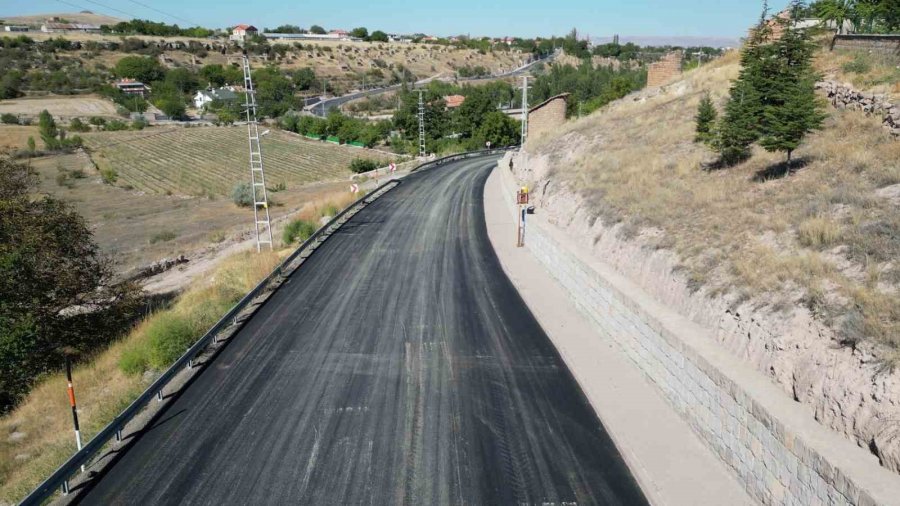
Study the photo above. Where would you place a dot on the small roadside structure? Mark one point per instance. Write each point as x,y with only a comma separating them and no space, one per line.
132,87
15,28
206,97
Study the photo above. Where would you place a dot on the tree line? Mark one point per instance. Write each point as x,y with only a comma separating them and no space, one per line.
865,16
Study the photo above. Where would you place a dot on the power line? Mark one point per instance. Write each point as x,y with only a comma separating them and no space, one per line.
164,13
120,11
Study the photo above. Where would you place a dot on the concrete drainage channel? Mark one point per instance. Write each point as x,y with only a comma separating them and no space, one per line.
772,445
103,449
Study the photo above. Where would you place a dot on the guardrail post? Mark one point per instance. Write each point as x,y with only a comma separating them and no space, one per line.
118,435
65,487
159,396
191,364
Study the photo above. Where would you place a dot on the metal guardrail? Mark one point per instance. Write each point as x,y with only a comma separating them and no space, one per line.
59,480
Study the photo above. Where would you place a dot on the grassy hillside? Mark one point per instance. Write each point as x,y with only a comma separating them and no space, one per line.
826,236
211,161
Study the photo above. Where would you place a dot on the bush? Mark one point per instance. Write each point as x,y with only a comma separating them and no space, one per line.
115,126
9,119
298,231
859,65
164,236
169,335
134,360
109,175
139,123
360,165
76,125
242,195
329,210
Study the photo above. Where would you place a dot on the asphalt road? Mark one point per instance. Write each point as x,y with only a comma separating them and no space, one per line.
398,366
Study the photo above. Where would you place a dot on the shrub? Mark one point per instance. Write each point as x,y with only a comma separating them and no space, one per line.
115,126
360,165
109,175
329,210
164,236
169,335
9,119
859,65
819,233
139,123
298,231
242,195
76,125
135,359
97,121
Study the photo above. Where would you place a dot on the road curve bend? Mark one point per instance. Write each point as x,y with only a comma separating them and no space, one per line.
398,366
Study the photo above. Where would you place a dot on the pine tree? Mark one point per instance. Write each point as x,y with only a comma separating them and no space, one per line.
706,120
48,130
791,109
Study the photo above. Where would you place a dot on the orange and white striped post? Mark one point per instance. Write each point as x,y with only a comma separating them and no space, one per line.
71,390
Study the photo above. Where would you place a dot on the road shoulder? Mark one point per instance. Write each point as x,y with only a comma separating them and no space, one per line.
671,464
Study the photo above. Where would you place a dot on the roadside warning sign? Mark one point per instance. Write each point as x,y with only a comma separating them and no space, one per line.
354,188
393,167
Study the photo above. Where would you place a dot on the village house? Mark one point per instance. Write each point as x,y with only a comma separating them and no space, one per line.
240,33
454,101
206,97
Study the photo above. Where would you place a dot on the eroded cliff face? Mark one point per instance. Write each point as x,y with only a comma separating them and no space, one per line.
847,389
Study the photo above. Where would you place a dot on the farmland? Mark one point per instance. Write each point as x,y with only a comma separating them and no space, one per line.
135,228
210,161
64,107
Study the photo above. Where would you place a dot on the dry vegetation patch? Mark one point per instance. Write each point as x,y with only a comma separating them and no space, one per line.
820,235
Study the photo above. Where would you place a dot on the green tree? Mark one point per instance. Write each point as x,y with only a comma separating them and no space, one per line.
498,129
316,29
57,292
305,78
143,68
48,131
214,74
791,109
706,120
274,92
836,12
31,146
183,80
360,32
378,36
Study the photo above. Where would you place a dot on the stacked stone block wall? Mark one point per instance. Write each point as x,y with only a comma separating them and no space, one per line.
843,96
665,70
772,461
883,44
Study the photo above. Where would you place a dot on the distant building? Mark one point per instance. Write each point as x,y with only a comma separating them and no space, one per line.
132,87
15,28
54,27
240,32
454,101
429,38
548,115
206,97
341,34
302,36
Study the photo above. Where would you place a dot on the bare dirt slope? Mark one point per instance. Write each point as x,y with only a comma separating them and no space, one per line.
796,271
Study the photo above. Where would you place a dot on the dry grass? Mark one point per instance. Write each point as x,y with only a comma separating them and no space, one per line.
820,236
83,106
876,73
37,436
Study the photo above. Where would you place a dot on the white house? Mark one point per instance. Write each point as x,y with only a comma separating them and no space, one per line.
205,97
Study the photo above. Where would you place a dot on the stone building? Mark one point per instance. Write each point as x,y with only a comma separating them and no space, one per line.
547,115
665,70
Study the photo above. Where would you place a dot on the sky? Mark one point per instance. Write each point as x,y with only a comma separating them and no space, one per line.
524,18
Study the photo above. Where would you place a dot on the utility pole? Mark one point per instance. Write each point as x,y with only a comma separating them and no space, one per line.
524,109
257,175
421,124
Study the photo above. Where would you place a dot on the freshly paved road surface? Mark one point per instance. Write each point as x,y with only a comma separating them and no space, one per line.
397,366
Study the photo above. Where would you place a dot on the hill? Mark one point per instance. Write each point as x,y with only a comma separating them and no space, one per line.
86,17
795,270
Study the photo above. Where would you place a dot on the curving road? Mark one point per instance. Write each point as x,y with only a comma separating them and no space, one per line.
397,366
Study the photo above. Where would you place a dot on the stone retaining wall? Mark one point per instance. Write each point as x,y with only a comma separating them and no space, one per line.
775,466
884,44
776,450
843,96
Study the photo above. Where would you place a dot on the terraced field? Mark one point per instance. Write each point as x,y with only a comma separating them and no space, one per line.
210,161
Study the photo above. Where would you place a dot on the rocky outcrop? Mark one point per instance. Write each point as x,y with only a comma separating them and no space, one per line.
847,389
843,96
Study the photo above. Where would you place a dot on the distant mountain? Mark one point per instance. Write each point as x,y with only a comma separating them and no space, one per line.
86,17
674,40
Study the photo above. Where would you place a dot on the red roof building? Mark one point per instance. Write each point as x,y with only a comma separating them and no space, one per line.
454,101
